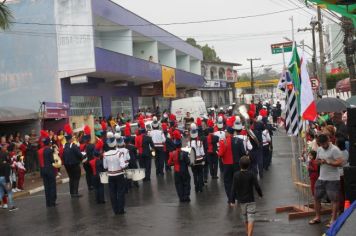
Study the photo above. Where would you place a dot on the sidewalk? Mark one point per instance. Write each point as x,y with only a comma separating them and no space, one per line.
34,183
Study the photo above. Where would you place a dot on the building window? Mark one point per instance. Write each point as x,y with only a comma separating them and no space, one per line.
86,105
222,73
145,103
213,72
203,71
163,103
121,105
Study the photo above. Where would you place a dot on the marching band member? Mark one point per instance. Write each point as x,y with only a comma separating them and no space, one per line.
72,158
133,158
47,170
146,146
197,166
230,151
211,147
256,152
88,149
115,163
96,164
168,146
221,134
159,140
127,131
180,161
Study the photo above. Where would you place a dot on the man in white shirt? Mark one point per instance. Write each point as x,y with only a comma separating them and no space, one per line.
159,140
115,161
329,158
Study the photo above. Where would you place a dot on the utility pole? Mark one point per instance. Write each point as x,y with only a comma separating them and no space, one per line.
252,79
313,24
322,54
350,51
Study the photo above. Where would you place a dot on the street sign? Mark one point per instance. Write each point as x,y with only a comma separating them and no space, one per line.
278,47
315,83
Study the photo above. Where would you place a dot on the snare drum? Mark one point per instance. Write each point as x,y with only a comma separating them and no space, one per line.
128,173
135,174
104,178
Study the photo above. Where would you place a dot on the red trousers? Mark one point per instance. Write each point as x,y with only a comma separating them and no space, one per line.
20,178
312,184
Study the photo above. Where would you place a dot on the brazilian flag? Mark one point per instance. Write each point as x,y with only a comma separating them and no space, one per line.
294,70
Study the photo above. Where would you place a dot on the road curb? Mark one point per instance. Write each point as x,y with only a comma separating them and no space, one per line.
38,189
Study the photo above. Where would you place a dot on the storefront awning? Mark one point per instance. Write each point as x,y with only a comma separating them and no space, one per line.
15,114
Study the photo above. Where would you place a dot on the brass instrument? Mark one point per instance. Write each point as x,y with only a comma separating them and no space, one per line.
57,160
245,118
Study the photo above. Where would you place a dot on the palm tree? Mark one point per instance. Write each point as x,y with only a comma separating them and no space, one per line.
5,16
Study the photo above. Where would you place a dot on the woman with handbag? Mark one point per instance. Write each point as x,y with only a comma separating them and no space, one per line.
5,184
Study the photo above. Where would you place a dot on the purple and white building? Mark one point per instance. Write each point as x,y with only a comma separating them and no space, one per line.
94,55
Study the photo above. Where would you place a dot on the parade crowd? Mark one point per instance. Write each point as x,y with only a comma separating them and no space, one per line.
238,144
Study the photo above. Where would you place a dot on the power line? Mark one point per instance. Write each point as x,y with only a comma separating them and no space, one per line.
279,3
89,36
164,24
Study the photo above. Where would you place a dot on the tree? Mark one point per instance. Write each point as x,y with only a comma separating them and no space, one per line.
209,53
5,16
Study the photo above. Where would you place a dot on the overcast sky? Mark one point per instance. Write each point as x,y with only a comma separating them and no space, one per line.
233,40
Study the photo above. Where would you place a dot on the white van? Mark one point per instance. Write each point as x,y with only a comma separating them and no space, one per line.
194,105
134,127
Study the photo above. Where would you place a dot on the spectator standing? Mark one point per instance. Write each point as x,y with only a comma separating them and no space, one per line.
329,158
313,170
32,152
341,144
5,184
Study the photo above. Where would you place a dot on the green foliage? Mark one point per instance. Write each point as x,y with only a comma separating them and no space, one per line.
5,16
209,53
332,79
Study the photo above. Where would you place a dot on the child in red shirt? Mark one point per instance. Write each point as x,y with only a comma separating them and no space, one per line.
313,170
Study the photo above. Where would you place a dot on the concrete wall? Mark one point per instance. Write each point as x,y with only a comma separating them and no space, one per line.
195,67
183,62
167,57
28,61
118,14
117,41
75,43
144,50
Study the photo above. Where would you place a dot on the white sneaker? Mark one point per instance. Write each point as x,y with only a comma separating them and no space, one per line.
14,190
4,206
13,208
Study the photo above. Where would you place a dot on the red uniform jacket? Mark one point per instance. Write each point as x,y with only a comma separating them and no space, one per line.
174,160
138,143
92,163
225,151
263,112
41,157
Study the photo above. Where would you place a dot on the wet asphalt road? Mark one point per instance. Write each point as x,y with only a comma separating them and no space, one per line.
154,209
